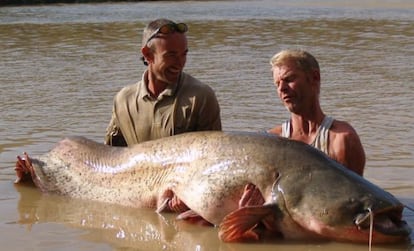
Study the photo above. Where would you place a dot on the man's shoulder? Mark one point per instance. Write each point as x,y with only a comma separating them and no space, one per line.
191,82
129,88
342,130
277,130
127,91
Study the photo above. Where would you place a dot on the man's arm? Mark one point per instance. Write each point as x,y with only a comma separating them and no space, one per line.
114,135
346,147
209,115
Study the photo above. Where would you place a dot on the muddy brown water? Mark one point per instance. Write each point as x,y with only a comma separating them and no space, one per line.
62,64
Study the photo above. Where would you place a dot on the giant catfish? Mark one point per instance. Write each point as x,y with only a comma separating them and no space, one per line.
307,195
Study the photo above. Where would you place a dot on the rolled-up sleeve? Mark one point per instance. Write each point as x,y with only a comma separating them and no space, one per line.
114,135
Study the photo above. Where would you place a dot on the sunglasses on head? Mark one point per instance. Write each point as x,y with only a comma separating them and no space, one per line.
167,29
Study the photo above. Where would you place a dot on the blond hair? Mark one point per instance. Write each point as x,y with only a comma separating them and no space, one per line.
302,59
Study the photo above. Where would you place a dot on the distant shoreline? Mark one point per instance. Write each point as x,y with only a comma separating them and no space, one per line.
42,2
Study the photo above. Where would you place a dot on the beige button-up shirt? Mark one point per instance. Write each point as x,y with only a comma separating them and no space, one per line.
137,116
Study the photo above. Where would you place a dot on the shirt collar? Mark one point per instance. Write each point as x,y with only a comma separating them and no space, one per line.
145,94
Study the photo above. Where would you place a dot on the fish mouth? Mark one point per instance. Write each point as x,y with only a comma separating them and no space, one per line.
387,222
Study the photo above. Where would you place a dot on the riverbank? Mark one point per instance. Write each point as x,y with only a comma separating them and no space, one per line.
42,2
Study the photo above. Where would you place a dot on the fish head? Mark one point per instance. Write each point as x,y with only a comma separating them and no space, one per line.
334,203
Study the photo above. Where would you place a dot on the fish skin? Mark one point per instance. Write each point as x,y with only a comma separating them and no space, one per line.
208,171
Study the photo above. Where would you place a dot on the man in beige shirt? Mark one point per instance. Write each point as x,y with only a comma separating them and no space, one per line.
167,101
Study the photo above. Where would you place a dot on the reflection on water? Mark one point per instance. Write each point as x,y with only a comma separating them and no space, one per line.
117,226
122,227
61,66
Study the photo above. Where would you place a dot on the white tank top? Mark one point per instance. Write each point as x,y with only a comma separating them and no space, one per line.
321,141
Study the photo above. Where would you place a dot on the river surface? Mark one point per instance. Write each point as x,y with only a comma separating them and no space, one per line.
62,64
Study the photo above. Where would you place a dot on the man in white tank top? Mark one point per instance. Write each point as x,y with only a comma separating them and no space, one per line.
296,76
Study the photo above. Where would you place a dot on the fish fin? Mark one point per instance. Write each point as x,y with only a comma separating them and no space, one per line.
24,169
193,217
251,196
163,206
239,224
171,203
